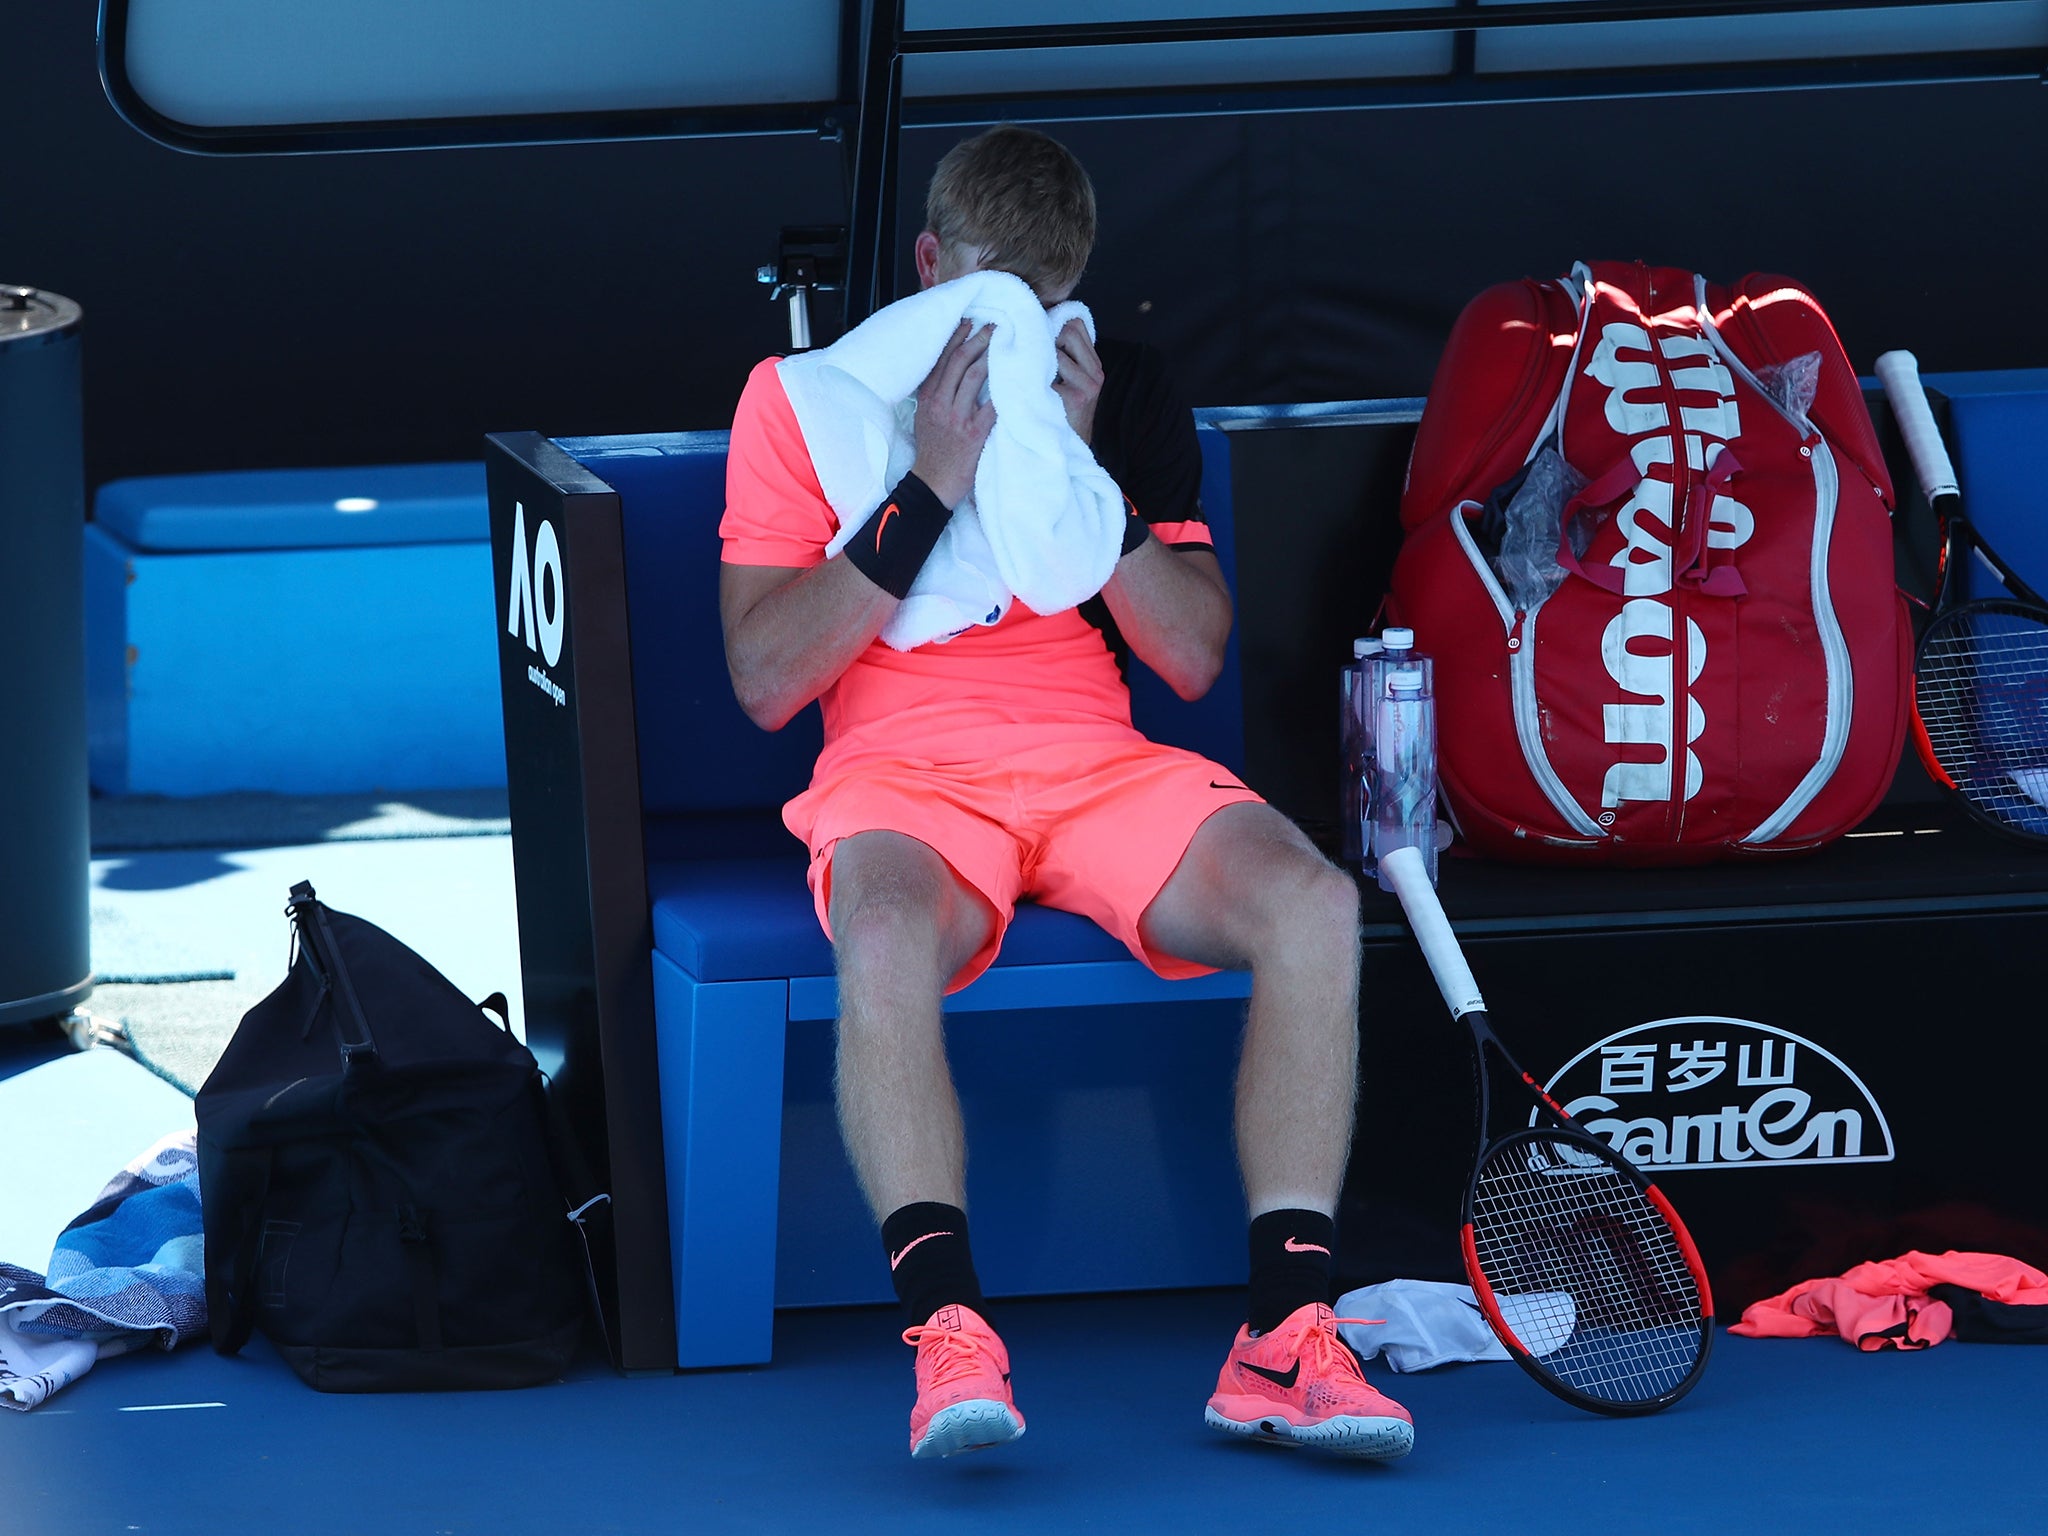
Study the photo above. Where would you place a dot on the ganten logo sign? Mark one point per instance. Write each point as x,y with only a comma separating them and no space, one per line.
537,606
1709,1092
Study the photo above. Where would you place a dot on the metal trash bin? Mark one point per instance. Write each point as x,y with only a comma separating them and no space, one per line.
45,829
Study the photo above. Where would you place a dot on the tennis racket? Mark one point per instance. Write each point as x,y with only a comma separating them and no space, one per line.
1579,1264
1980,672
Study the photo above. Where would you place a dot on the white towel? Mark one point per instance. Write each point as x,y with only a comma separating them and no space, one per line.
1044,522
1425,1323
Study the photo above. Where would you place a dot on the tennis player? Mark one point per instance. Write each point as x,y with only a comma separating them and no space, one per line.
959,777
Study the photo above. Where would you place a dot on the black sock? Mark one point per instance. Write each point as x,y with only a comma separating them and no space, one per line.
929,1259
1290,1252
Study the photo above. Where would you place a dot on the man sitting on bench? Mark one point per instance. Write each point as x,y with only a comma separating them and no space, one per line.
958,777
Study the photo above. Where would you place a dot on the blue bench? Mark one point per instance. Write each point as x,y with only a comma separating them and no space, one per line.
678,986
304,631
1081,1128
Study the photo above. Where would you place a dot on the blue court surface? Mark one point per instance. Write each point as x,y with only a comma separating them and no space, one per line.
1780,1436
1792,1437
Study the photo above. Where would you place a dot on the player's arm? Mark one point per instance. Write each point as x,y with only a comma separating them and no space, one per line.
1173,606
791,631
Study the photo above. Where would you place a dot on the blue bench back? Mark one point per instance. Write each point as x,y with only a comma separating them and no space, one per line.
698,752
1996,440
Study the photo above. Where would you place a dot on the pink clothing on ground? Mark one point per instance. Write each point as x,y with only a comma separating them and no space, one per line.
1885,1304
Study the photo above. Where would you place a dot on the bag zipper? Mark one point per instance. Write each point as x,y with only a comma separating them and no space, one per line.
1834,647
1520,628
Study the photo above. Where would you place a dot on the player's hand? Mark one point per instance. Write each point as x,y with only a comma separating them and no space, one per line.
953,421
1079,384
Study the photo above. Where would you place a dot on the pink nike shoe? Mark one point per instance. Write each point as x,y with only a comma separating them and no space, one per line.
1299,1385
963,1386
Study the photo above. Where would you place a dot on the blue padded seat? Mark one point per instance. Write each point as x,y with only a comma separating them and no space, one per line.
752,920
201,591
299,508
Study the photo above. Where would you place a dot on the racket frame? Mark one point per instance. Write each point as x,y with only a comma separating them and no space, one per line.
1556,1126
1899,372
1461,994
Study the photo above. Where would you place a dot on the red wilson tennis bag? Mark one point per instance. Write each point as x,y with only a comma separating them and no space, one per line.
1649,544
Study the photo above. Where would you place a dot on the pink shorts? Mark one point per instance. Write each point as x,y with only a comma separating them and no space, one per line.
1096,828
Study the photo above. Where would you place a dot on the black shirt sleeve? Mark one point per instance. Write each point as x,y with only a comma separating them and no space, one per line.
1145,438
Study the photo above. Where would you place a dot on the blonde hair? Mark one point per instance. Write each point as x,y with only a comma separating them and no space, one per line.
1022,199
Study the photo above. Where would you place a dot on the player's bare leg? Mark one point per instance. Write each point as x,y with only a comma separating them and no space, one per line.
902,925
1252,892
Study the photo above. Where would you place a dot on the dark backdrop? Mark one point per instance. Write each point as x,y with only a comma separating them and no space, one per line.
339,309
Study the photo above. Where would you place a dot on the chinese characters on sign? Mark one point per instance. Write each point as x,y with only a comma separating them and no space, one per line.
1717,1092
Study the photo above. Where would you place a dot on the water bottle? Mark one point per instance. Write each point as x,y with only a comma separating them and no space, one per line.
1355,757
1399,652
1404,787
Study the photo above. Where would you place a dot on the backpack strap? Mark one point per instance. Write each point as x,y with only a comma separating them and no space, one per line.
426,1286
572,1171
241,1185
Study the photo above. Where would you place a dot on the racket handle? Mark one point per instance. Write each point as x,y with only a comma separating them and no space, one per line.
1404,871
1899,372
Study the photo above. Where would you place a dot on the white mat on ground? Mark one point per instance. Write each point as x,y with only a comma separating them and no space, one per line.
1044,522
1428,1323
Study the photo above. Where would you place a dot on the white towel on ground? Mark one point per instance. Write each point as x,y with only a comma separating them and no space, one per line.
1044,522
1427,1323
33,1368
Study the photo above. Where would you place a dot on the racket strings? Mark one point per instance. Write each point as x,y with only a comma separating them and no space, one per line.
1981,693
1586,1271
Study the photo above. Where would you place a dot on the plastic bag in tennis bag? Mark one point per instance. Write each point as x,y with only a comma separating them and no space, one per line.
1647,538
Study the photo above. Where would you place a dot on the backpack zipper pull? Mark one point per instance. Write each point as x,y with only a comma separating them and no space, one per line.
1515,633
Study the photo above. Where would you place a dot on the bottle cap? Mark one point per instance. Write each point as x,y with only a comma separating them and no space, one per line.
1398,639
1362,648
1405,681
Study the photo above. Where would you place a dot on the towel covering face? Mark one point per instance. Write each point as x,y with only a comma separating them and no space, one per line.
1044,523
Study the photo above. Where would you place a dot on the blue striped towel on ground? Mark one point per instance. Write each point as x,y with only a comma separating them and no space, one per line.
127,1274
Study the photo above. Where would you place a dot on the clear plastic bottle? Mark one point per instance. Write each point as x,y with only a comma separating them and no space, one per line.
1398,652
1404,787
1354,812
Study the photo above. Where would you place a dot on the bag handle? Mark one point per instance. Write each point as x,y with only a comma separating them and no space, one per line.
497,1004
1691,555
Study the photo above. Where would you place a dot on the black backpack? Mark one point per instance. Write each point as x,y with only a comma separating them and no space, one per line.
376,1180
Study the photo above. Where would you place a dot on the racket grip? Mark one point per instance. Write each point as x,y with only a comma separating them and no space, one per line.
1899,372
1403,869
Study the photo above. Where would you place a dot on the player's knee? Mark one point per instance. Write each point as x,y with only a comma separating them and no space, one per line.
889,929
1314,906
1332,896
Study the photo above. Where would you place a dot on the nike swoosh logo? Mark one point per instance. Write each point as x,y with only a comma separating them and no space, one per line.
1214,785
880,523
898,1258
1293,1247
1282,1379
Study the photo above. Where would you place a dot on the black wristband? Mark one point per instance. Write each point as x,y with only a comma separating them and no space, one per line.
892,546
1136,529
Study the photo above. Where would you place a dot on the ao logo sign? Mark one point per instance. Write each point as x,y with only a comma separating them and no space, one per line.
537,606
1708,1092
